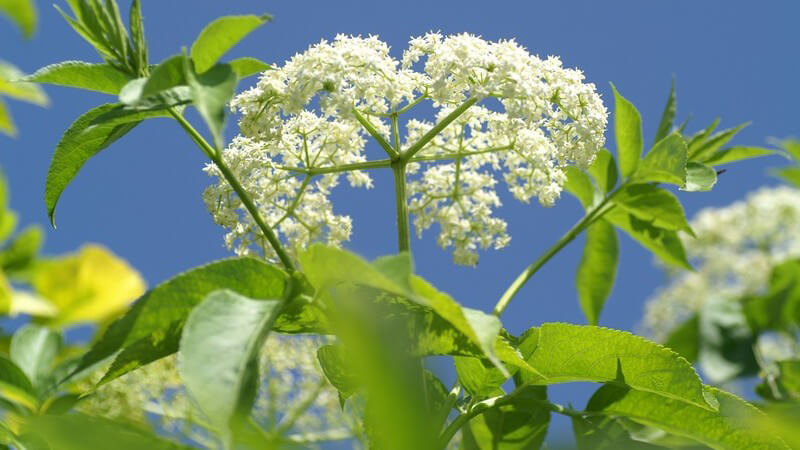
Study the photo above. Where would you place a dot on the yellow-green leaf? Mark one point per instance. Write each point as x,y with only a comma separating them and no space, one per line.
220,36
628,132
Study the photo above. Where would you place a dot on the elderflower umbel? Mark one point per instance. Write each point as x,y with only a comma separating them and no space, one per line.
302,127
734,252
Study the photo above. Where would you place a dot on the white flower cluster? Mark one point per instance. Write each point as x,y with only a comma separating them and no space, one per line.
292,379
303,122
734,253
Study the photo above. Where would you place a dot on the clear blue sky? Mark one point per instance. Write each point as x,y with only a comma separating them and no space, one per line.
141,197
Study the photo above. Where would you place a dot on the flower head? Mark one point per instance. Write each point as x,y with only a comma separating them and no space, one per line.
306,123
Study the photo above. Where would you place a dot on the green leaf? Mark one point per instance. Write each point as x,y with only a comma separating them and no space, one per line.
137,33
665,162
792,147
34,349
604,171
579,185
15,385
701,152
82,75
663,243
567,353
726,341
211,91
628,132
732,427
733,154
699,177
685,339
779,308
332,361
218,356
597,269
657,206
789,174
6,123
245,67
88,135
12,84
481,379
22,13
698,139
605,433
18,254
220,36
668,116
521,424
785,385
152,328
167,75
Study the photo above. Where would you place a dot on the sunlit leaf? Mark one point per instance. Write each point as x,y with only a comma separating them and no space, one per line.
665,162
246,66
211,91
220,36
22,13
579,185
33,350
521,424
597,269
657,206
21,251
82,75
668,116
699,177
11,86
733,154
702,151
663,243
604,171
628,132
685,339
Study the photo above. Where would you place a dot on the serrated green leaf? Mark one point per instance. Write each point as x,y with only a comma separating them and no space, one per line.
699,177
21,251
568,353
246,67
218,356
597,269
663,243
82,75
604,171
604,433
665,162
211,91
657,206
730,428
34,349
733,154
220,36
579,185
628,132
668,116
685,339
22,13
88,135
521,424
12,85
702,151
481,379
151,329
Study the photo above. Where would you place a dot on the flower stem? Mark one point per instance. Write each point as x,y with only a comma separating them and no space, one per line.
216,158
401,203
375,133
441,125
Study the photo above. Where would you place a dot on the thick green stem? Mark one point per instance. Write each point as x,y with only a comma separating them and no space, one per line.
592,215
401,203
375,134
248,203
441,125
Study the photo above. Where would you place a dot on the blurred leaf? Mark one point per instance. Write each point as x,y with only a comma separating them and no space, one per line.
657,206
784,386
628,132
685,339
792,147
92,285
705,150
18,254
604,433
567,353
733,154
699,177
6,124
732,427
246,66
22,302
34,349
15,385
211,91
726,341
22,13
88,135
521,424
151,329
779,308
665,162
5,294
332,361
597,269
579,185
218,356
11,86
81,432
667,117
790,175
82,75
663,243
604,171
220,36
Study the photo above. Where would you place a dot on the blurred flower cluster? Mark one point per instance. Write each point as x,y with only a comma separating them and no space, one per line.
303,124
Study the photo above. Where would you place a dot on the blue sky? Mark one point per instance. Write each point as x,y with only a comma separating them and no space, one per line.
142,196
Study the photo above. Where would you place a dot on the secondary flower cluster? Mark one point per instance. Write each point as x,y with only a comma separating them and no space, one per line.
306,123
734,252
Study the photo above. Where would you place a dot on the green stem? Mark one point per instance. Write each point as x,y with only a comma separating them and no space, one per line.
292,416
589,218
441,125
214,156
375,134
401,203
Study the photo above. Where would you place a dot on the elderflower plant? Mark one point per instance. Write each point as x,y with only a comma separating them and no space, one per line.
306,124
736,248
